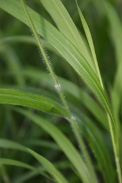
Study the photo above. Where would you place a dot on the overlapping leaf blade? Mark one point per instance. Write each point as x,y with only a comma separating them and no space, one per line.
95,138
16,97
4,161
68,51
116,35
67,27
48,165
63,143
69,88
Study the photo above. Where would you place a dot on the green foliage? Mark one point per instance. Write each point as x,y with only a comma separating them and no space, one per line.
70,130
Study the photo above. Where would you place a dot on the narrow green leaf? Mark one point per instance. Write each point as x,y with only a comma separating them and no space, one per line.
15,97
67,27
64,144
116,36
18,39
49,167
10,144
90,41
97,139
4,161
26,39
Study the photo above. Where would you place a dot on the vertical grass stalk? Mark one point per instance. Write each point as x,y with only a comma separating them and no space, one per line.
109,117
61,95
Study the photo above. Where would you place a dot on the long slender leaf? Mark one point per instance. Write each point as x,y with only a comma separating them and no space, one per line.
67,26
97,142
15,97
116,35
64,144
4,161
49,166
90,41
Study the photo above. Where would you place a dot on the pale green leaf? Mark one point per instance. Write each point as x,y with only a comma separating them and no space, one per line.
66,26
90,41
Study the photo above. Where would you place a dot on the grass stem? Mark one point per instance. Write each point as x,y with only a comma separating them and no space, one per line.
61,95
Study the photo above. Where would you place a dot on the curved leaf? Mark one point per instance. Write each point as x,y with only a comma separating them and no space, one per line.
4,161
116,36
15,97
49,166
67,27
65,145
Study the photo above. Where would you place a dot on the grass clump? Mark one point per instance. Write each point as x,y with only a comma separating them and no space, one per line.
51,151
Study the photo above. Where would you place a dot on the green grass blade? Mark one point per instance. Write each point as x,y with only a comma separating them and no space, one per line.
63,143
49,167
4,161
10,144
18,39
97,142
61,140
13,145
15,97
116,36
110,120
90,41
67,27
